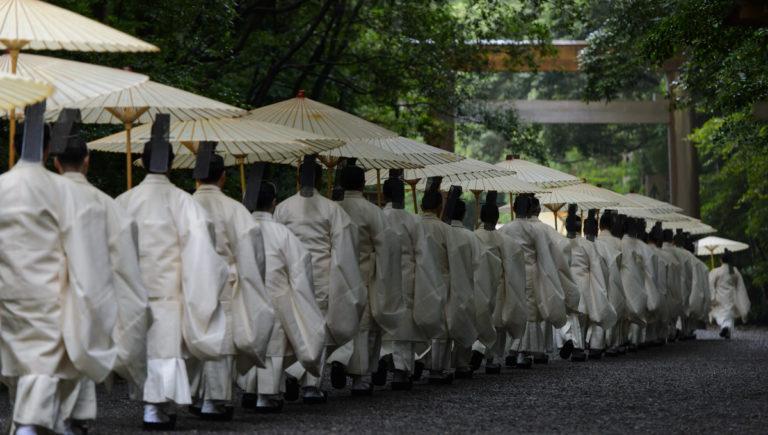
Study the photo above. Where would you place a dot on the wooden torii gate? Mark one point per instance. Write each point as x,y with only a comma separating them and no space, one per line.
683,179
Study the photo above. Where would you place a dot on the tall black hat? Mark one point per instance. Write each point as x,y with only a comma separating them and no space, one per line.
489,213
159,144
34,133
205,152
454,193
573,221
254,184
432,197
590,223
396,188
307,170
66,132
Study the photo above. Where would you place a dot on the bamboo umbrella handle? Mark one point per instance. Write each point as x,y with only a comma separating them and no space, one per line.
378,186
241,164
477,206
413,184
14,52
128,157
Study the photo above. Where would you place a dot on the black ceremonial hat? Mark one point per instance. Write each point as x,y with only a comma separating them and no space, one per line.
161,147
34,133
205,153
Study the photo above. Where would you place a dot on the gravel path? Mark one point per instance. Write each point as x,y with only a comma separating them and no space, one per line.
693,387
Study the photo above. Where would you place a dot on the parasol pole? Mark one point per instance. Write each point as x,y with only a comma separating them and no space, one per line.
127,116
241,164
413,184
378,187
330,163
13,50
711,257
477,205
298,175
511,207
554,211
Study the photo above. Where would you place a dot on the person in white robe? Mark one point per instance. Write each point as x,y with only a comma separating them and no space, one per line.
686,268
245,301
633,278
655,296
329,235
184,276
437,329
57,296
729,295
566,337
664,273
609,247
420,280
544,298
299,330
509,307
72,161
672,282
698,301
479,267
378,255
590,269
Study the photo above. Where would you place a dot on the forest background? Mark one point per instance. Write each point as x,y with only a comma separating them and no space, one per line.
394,62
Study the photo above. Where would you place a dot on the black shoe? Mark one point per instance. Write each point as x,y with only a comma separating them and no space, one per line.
418,370
632,348
477,360
566,350
541,359
219,416
526,363
463,374
578,355
612,353
509,360
493,369
166,426
315,400
727,335
248,401
379,377
402,385
338,375
596,354
270,409
291,389
195,410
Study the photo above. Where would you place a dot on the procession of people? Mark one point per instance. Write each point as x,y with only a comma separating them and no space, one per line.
187,297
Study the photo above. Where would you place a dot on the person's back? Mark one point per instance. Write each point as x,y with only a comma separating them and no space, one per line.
55,290
729,295
184,277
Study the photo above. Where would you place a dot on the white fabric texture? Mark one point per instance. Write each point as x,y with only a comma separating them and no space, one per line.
329,235
729,295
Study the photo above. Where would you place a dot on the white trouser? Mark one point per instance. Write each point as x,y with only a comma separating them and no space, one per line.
532,341
366,347
212,380
48,401
572,331
403,354
439,355
596,337
461,356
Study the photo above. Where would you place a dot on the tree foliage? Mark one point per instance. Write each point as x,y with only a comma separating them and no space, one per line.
722,73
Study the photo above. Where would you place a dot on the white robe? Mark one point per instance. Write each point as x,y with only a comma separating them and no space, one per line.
184,277
57,295
486,271
132,307
379,258
654,296
609,248
300,326
463,261
329,235
421,277
633,280
729,296
245,300
559,249
435,325
591,281
510,309
544,291
699,302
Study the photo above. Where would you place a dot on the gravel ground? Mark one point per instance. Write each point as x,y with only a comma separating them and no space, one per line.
692,387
